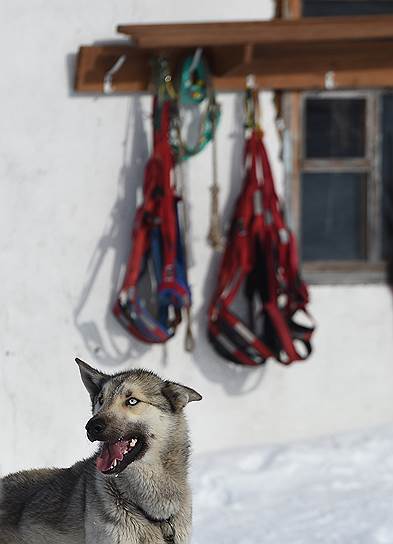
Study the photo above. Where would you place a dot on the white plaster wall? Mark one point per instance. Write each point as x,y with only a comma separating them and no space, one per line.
69,168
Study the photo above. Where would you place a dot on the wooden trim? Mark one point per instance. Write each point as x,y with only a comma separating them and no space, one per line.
375,179
279,9
284,54
293,135
344,266
344,273
94,62
293,9
336,165
360,64
371,269
277,31
371,207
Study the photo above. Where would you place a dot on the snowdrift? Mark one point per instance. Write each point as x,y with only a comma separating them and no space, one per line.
337,490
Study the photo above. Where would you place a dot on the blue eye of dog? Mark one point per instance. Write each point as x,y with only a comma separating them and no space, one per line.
132,401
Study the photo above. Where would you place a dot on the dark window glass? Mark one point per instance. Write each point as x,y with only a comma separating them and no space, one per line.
326,8
335,128
333,216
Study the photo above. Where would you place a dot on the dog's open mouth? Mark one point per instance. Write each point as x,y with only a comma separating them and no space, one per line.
113,458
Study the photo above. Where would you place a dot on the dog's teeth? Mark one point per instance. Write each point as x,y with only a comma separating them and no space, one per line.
132,442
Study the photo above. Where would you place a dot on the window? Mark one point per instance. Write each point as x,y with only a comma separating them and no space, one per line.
338,177
340,185
338,155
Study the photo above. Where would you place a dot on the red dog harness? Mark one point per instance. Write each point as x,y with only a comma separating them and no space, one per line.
260,262
155,288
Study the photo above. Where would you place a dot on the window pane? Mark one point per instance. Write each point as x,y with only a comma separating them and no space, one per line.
335,128
317,8
333,218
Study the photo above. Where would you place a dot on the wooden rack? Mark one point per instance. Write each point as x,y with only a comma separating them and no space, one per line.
312,53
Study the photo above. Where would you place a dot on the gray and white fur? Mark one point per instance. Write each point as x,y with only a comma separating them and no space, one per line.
143,497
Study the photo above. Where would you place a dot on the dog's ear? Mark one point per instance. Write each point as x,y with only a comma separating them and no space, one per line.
179,395
92,379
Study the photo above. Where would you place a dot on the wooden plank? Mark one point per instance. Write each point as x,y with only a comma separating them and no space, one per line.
358,65
350,79
319,58
95,61
345,266
344,272
308,31
223,60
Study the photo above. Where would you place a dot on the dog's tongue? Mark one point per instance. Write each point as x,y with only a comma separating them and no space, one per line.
109,453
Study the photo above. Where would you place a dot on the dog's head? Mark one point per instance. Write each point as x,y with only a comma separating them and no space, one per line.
134,412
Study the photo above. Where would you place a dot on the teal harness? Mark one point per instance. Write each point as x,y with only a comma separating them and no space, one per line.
195,90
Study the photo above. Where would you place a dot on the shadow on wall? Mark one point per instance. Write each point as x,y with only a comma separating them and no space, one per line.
235,379
105,340
71,61
114,244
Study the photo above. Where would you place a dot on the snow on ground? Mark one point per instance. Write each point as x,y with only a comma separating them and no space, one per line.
337,490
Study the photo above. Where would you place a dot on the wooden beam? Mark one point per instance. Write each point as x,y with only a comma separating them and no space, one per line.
354,79
224,60
95,61
358,64
310,30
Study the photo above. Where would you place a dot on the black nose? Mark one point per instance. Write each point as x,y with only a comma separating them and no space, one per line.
95,428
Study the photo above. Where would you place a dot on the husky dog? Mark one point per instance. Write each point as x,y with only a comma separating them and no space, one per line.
134,490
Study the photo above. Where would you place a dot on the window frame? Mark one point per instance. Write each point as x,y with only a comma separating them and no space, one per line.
372,269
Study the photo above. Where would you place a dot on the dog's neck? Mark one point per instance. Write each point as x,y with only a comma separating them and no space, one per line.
156,484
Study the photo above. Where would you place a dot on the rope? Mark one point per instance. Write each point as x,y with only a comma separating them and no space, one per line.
251,105
215,237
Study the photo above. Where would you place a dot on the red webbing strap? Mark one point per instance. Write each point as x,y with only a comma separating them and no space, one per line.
167,209
142,228
236,261
158,206
148,335
234,322
234,265
158,212
237,354
275,247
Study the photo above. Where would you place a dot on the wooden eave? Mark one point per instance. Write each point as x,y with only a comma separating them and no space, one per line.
343,52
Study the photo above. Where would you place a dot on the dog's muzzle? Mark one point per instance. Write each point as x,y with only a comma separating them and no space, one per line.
95,428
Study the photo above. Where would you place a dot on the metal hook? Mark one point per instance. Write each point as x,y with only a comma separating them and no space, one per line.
330,80
107,87
251,81
252,102
196,59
